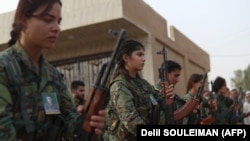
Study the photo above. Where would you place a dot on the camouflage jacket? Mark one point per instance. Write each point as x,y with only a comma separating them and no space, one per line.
194,116
78,101
224,113
132,102
22,112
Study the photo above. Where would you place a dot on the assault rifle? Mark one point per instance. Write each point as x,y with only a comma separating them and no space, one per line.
168,106
210,119
98,95
188,107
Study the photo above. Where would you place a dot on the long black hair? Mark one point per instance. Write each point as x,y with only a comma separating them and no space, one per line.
25,10
219,82
127,47
194,78
171,66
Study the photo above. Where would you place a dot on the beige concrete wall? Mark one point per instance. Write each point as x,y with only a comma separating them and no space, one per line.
88,12
5,26
180,48
85,33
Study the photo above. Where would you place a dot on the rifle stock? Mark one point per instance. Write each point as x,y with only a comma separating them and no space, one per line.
95,101
96,104
188,107
98,95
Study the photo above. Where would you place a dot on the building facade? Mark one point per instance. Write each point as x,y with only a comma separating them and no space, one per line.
85,44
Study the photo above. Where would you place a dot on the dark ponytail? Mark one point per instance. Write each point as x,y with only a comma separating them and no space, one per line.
25,9
127,47
14,34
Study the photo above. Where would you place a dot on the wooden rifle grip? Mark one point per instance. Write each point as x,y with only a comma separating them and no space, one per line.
88,99
95,104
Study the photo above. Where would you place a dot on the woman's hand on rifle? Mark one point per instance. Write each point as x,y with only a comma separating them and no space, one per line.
169,91
97,121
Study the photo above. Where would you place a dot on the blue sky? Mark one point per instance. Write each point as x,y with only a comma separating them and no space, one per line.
219,27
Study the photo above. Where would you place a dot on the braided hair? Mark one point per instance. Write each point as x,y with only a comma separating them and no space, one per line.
25,9
127,47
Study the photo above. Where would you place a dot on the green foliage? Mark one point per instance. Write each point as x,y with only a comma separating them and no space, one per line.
241,79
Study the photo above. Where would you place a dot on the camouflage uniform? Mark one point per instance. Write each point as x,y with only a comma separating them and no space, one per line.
22,114
225,114
194,116
78,101
131,103
206,110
